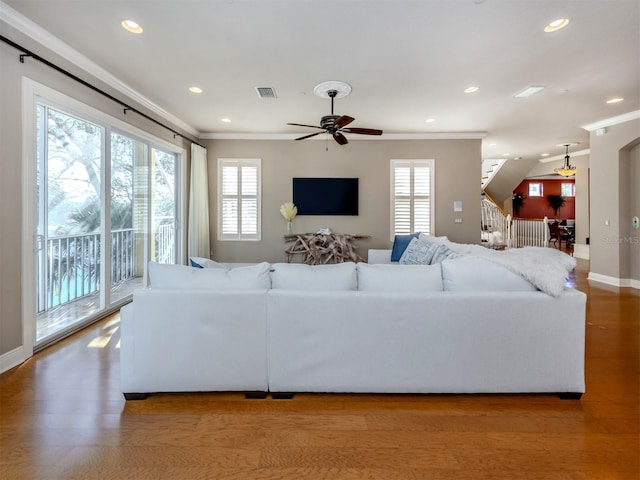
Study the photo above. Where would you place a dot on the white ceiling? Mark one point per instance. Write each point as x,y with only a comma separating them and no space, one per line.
406,61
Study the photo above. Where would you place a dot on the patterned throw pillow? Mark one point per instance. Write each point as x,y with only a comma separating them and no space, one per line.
419,252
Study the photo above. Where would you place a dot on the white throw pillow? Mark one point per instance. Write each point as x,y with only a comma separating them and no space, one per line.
296,276
474,274
198,262
184,278
399,278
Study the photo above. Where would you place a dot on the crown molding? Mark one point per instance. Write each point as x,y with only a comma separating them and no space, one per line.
53,43
384,136
609,122
577,153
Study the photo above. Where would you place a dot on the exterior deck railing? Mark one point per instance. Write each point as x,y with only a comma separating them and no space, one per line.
73,266
73,263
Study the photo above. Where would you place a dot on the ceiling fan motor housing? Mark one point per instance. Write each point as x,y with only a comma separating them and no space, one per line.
328,123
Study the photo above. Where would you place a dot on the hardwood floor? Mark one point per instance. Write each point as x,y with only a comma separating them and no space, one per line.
63,417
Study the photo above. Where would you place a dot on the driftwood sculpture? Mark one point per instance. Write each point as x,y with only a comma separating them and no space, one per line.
320,249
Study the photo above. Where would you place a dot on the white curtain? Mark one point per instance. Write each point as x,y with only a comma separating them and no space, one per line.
198,238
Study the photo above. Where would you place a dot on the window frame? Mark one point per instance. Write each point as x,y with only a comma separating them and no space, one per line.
238,163
412,164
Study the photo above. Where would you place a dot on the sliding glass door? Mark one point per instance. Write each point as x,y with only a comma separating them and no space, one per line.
106,205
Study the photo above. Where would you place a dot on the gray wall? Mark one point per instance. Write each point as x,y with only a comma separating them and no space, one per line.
611,249
11,158
457,177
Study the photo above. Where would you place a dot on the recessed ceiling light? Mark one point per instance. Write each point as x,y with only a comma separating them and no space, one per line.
556,25
471,89
615,100
430,120
225,120
530,90
544,154
492,144
506,154
195,89
131,26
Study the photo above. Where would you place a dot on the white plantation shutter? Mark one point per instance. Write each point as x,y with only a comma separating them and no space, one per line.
411,196
239,199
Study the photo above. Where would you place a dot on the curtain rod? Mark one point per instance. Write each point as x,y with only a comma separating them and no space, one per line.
28,53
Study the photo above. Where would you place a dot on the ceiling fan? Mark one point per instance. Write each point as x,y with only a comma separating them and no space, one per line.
335,125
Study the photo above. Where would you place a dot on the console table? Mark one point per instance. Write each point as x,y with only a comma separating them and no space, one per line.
320,249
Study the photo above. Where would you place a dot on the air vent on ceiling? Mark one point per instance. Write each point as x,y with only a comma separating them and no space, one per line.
266,92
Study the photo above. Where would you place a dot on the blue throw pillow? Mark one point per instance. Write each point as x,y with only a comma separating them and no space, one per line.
194,264
400,244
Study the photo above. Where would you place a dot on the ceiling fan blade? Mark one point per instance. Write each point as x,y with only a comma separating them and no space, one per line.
341,139
363,131
310,135
343,121
302,125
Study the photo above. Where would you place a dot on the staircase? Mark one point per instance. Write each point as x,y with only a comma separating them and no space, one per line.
499,230
490,167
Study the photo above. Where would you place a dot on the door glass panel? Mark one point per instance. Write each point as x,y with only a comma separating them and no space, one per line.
128,208
163,218
70,152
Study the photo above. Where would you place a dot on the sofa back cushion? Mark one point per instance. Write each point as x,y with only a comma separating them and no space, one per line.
254,277
399,278
464,274
296,276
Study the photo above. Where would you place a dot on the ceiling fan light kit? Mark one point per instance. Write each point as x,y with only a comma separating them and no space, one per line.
333,124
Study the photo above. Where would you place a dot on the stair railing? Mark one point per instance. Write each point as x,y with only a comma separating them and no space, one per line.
515,232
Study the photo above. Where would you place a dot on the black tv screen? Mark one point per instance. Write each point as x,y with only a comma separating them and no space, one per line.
326,196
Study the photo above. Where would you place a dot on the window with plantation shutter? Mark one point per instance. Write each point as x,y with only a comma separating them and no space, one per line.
239,199
411,196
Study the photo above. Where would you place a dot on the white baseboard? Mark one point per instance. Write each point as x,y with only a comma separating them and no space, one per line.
581,251
617,282
12,358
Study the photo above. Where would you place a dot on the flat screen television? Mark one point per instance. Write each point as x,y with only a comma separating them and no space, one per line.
326,196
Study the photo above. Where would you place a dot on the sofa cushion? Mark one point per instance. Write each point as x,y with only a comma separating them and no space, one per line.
187,278
399,278
468,274
378,255
296,276
421,252
400,243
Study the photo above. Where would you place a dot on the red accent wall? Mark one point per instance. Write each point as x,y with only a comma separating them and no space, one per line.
538,207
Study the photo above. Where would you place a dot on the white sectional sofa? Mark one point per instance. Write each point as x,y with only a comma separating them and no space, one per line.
287,328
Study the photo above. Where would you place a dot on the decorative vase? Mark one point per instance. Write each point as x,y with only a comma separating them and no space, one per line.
289,227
